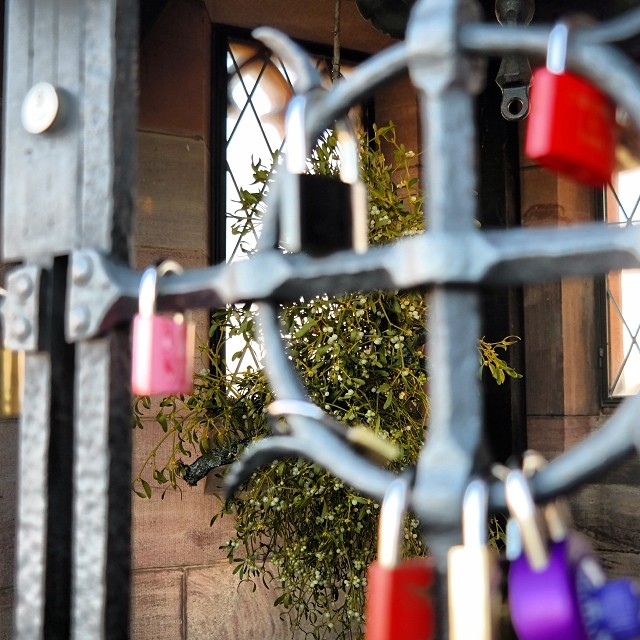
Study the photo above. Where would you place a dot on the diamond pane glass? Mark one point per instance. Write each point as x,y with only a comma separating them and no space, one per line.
623,302
259,88
258,92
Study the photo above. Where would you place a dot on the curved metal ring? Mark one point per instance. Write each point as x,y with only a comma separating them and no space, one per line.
620,79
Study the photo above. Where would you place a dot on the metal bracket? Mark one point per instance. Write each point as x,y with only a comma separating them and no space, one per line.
97,294
514,75
21,308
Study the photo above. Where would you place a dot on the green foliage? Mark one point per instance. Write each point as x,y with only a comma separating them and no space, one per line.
363,359
497,366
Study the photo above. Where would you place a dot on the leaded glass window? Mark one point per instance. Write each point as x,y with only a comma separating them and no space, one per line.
258,88
622,205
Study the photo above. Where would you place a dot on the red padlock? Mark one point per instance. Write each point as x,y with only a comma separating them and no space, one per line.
399,605
571,124
162,346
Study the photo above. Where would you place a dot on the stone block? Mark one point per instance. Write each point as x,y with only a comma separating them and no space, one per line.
6,614
217,606
609,514
174,531
172,205
175,72
156,605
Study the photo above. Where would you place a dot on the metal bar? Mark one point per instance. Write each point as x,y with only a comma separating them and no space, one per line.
32,501
595,61
603,65
68,178
109,295
446,81
102,483
103,409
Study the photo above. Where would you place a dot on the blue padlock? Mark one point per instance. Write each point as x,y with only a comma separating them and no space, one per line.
610,611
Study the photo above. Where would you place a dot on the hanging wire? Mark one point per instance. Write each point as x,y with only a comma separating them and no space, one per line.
335,64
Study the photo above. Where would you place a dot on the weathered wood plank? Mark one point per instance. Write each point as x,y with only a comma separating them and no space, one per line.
620,565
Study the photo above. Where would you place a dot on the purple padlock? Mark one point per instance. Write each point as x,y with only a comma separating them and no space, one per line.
542,582
557,586
544,603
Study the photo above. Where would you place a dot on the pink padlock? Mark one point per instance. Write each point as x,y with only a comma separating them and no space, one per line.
163,346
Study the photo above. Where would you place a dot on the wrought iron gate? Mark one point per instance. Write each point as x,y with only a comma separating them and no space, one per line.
68,185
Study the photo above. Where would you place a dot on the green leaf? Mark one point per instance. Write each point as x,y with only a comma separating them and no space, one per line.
146,488
305,328
161,419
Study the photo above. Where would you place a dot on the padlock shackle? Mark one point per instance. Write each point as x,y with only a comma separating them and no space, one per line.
554,512
296,135
475,514
148,289
298,149
557,47
147,292
558,41
391,525
524,511
349,157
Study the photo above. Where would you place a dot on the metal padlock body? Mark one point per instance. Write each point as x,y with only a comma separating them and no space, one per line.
160,357
399,605
544,602
326,214
570,129
473,572
162,347
320,215
11,382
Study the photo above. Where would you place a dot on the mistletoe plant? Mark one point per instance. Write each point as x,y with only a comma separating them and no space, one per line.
363,360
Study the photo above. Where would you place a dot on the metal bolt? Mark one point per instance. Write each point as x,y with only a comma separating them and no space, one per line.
40,108
23,287
79,319
20,328
82,269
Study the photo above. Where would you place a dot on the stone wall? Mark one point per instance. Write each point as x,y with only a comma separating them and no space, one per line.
562,372
182,584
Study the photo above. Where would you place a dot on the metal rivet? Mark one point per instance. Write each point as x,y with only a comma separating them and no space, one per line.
20,328
40,108
82,269
79,319
23,287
